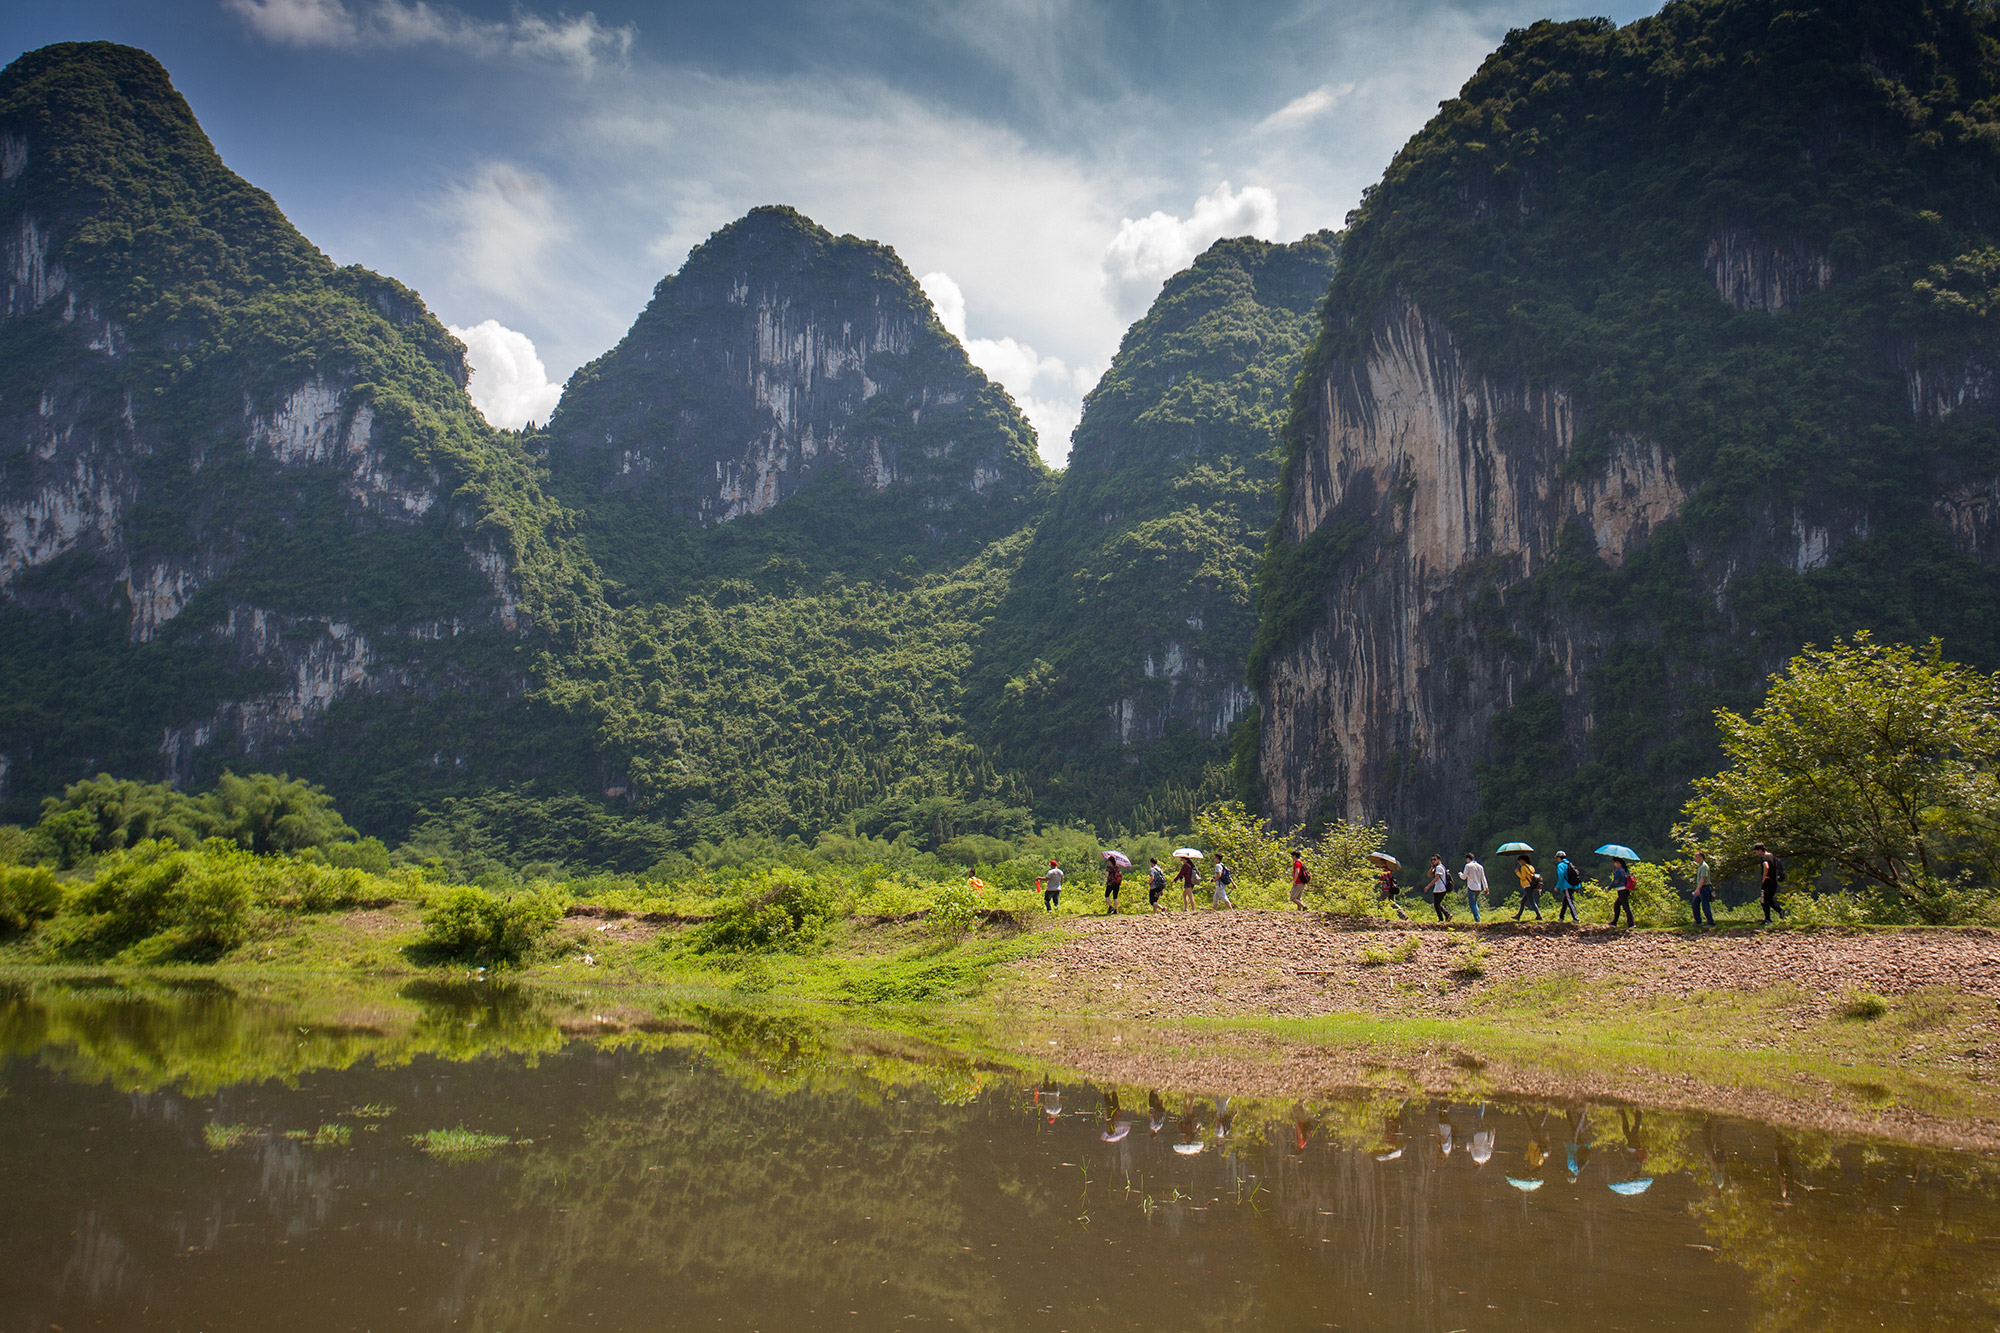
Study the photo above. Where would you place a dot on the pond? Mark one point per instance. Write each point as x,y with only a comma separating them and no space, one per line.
479,1158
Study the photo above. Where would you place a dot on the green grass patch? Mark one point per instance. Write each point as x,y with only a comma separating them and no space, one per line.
461,1142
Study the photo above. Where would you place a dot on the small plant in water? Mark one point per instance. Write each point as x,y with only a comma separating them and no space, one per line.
371,1111
460,1142
220,1138
1865,1005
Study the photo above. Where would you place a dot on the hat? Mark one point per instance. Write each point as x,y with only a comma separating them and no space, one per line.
1562,853
1052,865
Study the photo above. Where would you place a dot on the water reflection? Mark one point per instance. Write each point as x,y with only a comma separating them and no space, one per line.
187,1158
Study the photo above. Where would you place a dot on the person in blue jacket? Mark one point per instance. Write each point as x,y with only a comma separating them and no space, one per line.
1567,883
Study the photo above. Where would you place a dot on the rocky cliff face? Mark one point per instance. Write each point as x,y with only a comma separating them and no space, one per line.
1573,463
266,543
777,356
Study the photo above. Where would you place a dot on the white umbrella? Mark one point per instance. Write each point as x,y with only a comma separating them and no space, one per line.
1119,859
1189,852
1385,860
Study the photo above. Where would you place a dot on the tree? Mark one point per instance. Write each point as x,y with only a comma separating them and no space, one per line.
1876,761
1342,878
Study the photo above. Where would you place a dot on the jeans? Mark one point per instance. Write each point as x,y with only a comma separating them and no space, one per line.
1472,901
1530,902
1622,903
1703,907
1050,897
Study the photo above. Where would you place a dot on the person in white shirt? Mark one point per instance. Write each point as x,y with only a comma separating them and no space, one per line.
1474,876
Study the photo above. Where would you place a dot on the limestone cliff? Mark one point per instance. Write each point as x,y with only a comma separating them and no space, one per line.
780,355
239,487
1581,454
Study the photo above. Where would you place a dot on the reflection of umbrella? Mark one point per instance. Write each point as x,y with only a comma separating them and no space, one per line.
1618,850
1116,1132
1189,852
1187,1149
1119,859
1385,860
1506,847
1389,1156
1639,1186
1525,1186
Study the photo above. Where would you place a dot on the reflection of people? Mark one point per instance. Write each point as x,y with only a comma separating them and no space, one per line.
1392,1138
1302,1126
1577,1147
1481,1151
1634,1124
1718,1174
1784,1156
1225,1119
1444,1132
1114,1128
1190,1127
1049,1098
1156,1113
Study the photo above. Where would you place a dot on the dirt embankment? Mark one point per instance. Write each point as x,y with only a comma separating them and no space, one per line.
1183,965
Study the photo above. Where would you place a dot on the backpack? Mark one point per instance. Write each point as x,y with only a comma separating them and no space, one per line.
1777,870
1566,875
1305,875
1535,884
1223,877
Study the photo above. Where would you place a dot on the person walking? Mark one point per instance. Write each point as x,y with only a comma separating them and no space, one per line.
1440,886
1621,880
1770,874
1156,886
1567,883
1187,876
1114,879
1223,879
1386,885
1300,878
1474,875
1531,888
1702,900
1052,887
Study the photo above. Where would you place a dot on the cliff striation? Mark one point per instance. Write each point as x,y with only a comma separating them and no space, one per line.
1661,350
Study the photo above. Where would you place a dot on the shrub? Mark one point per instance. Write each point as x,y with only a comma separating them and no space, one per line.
788,917
470,924
1374,956
1472,962
155,903
952,910
1405,951
1862,1005
27,894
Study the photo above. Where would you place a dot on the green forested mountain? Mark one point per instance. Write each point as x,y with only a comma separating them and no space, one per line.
1112,672
1661,350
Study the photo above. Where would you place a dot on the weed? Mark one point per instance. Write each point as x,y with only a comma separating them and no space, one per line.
1926,1009
952,910
460,1142
1862,1005
1374,956
1472,962
221,1138
1407,950
371,1111
326,1136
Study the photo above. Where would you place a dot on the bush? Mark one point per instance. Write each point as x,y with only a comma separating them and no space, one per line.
156,903
1472,962
27,894
468,924
787,917
1862,1005
952,910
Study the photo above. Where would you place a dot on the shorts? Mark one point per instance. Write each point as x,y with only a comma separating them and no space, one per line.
1154,893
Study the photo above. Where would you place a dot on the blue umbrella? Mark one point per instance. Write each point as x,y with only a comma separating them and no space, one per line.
1639,1186
1525,1186
1621,852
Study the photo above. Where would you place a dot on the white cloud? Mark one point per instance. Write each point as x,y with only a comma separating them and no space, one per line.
1147,251
582,42
504,219
1301,109
509,384
1048,392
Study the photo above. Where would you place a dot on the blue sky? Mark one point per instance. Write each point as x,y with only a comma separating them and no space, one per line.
534,170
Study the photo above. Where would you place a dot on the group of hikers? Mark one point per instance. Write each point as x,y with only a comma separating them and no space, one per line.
1437,884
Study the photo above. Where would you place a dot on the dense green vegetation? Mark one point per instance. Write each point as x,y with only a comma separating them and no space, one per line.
1137,586
1555,217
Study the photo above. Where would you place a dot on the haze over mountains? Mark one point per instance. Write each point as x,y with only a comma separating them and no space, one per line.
1661,350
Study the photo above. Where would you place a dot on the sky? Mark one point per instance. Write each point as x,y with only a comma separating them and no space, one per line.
1041,165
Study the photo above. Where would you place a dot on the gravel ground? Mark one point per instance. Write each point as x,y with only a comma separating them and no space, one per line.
1180,965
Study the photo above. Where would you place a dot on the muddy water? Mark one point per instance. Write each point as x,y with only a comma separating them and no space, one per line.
176,1159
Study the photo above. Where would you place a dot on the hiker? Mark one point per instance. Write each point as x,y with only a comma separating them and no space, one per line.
1702,900
1771,875
1531,888
1621,880
1440,886
1156,886
1576,1149
1567,883
1474,876
1223,879
1114,879
1300,878
1051,887
1187,876
1387,884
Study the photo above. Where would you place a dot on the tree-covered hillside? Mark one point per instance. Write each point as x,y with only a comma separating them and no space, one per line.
1764,235
1112,671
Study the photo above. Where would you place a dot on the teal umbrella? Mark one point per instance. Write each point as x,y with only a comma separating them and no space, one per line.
1525,1186
1623,853
1506,847
1639,1186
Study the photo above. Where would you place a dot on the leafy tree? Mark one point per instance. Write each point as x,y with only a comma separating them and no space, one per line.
1337,859
1876,761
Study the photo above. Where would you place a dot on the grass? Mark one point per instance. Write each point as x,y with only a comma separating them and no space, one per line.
1862,1005
221,1138
462,1142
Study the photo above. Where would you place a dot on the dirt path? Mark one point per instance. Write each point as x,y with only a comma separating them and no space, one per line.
1183,965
